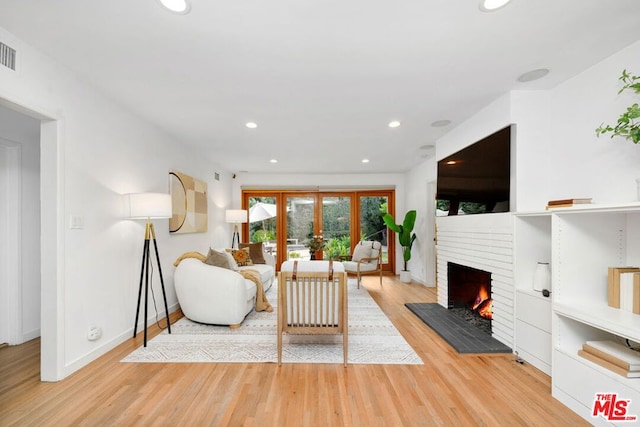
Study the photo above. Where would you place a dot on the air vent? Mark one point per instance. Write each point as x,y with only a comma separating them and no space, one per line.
7,56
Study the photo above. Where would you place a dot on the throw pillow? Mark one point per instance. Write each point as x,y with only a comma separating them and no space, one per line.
218,259
361,251
255,252
232,262
241,256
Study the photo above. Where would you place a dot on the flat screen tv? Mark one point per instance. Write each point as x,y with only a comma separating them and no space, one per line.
476,179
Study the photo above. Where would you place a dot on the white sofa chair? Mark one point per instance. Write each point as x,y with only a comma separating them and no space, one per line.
216,295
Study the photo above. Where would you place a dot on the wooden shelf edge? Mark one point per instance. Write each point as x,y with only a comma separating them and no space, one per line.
612,320
612,208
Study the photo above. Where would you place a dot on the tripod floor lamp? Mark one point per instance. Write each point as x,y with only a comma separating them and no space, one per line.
148,206
236,217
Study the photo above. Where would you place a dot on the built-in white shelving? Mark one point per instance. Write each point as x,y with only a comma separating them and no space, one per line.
532,244
580,243
585,241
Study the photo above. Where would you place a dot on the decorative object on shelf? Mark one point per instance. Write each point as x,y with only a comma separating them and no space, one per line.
628,125
235,217
189,204
542,277
315,244
405,237
148,206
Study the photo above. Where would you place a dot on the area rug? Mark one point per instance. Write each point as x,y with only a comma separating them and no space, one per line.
372,340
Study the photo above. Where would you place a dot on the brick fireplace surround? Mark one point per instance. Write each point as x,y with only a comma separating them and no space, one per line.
484,242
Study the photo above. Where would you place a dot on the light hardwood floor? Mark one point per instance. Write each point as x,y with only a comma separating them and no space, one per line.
449,389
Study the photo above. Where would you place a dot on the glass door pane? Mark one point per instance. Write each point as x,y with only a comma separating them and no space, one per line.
301,226
372,227
263,224
336,226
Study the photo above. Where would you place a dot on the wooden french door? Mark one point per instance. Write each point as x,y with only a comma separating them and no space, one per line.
286,220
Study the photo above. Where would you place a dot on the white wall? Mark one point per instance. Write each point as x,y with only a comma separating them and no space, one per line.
559,155
102,152
25,132
422,263
601,168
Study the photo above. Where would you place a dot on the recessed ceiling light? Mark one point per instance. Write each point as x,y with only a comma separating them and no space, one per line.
177,6
274,160
492,5
441,123
533,75
251,125
365,160
451,162
394,124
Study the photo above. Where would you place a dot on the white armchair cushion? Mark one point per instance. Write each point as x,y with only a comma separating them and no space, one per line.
313,266
361,251
364,266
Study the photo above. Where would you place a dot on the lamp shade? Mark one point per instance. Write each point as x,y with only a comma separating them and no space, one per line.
147,205
236,216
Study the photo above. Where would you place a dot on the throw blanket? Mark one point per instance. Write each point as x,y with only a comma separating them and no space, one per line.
196,255
261,299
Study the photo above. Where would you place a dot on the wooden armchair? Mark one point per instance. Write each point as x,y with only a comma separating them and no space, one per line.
312,299
366,259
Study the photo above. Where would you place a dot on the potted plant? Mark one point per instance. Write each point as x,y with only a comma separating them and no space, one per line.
628,125
405,237
315,244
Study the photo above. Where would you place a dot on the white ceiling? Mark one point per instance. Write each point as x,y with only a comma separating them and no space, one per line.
322,79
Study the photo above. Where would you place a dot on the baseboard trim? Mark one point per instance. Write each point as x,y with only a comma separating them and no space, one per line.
89,357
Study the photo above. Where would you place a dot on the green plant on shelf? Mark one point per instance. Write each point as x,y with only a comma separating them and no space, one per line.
628,125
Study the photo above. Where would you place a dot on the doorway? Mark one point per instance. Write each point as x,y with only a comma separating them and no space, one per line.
35,294
10,300
20,221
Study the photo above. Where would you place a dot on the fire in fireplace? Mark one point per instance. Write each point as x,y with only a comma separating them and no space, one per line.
471,288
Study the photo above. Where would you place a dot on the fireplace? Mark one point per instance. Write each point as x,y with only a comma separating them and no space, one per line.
470,289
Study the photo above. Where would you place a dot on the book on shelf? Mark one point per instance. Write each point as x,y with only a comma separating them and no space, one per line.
630,292
567,203
616,353
608,365
613,284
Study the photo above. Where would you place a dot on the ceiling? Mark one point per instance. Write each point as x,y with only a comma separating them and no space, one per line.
322,79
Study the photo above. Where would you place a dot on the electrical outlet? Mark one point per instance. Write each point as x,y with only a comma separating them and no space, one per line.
94,333
76,222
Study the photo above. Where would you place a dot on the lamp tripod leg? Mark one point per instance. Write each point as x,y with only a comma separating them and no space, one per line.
145,255
146,291
164,294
